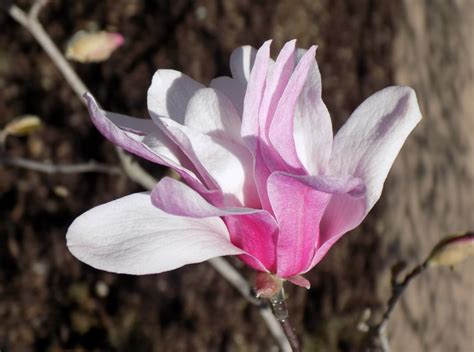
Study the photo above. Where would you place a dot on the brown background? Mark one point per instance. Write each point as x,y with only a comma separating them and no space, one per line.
50,301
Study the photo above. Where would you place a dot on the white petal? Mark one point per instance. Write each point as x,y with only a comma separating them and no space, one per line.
210,112
221,162
368,143
241,62
233,89
169,94
129,235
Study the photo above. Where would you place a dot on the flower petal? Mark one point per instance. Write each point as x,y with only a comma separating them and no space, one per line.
366,147
222,163
254,95
281,130
298,209
368,143
233,89
241,62
299,281
139,137
253,230
175,197
277,80
343,213
266,159
312,126
169,94
129,235
210,112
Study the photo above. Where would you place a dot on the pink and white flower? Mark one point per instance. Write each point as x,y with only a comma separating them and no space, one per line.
264,177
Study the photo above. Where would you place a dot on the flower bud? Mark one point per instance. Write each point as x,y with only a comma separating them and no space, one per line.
267,285
87,47
23,125
452,250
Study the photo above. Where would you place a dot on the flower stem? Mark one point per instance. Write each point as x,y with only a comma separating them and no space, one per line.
280,311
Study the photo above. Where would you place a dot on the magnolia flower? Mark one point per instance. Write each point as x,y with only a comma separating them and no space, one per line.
263,176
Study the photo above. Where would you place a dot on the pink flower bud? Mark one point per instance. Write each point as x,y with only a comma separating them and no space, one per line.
93,46
452,250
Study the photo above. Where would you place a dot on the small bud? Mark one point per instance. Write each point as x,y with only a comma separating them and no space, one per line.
87,47
452,250
23,125
267,285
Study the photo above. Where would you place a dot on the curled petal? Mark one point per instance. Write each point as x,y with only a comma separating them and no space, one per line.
129,235
143,138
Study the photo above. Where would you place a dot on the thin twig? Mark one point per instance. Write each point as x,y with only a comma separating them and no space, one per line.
49,168
131,168
377,333
31,23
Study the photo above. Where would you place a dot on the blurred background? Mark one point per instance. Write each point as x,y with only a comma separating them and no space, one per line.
49,301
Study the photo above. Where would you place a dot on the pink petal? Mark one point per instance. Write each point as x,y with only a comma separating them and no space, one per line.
253,230
129,235
257,235
300,204
300,281
276,83
343,213
210,112
266,160
169,94
151,144
254,95
368,143
281,132
298,209
312,127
